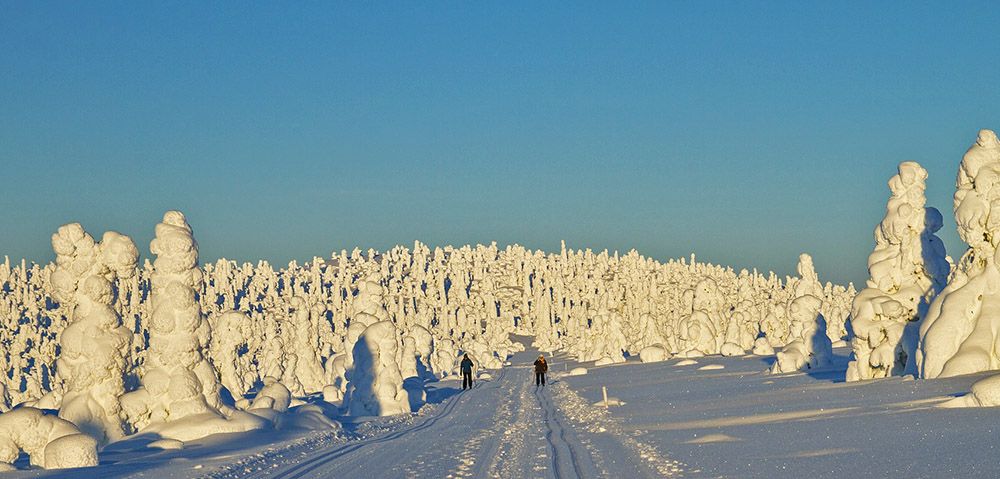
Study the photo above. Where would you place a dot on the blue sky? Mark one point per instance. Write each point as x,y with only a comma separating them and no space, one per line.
746,132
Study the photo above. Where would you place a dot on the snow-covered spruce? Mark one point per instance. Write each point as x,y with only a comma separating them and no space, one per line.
908,268
811,347
179,398
94,345
959,334
375,385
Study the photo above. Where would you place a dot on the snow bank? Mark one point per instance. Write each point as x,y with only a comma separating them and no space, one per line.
654,354
984,393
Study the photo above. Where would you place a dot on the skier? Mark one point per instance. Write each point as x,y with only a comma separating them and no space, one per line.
540,369
466,372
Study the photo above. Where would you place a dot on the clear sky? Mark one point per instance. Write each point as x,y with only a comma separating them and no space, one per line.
746,132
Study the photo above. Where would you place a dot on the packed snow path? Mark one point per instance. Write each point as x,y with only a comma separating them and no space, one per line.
504,427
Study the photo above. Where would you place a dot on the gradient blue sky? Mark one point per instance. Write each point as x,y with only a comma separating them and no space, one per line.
746,132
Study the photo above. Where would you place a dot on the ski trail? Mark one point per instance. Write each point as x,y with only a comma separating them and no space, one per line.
516,455
594,421
563,453
502,428
317,463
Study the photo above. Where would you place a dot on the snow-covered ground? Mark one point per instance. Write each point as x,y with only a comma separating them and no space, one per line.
718,417
741,421
504,427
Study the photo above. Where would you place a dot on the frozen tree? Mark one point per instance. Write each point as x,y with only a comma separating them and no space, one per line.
179,380
284,322
959,334
375,385
908,268
305,368
810,348
50,442
229,335
92,364
699,333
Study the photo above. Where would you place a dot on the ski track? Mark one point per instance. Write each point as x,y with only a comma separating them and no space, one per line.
556,437
318,461
503,428
597,421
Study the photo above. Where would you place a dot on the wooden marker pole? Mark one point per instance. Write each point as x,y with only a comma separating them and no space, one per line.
604,390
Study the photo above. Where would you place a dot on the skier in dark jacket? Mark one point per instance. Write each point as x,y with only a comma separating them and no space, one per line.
466,372
541,367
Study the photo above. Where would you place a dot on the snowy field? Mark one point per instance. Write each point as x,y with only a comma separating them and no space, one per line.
718,417
740,421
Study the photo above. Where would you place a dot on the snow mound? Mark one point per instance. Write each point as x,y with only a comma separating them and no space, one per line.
74,450
577,372
711,367
686,362
308,417
732,349
197,426
762,347
611,402
984,393
606,361
49,441
654,354
273,395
